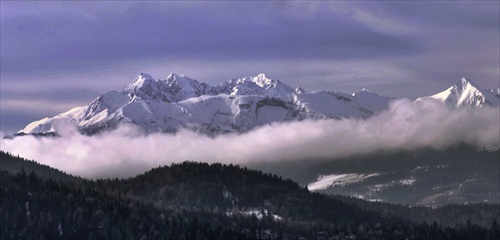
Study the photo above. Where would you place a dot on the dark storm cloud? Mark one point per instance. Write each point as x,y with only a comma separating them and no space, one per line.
467,14
460,39
215,31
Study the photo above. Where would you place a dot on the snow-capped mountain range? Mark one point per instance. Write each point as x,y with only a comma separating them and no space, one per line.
235,105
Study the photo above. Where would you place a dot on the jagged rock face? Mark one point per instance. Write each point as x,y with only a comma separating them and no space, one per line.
235,105
174,88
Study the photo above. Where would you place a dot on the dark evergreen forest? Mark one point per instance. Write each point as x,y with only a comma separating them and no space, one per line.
194,200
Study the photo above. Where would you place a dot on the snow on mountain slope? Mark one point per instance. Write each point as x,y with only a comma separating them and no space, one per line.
467,93
259,85
325,104
236,105
47,125
371,100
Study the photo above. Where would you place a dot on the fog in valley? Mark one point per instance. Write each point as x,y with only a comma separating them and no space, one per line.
127,151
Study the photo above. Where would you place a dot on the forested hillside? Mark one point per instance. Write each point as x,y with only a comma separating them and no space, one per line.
15,164
209,201
458,175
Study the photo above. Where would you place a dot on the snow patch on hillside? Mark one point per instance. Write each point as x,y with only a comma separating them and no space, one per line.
258,213
332,180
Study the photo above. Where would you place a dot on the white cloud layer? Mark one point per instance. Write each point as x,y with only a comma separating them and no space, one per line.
126,151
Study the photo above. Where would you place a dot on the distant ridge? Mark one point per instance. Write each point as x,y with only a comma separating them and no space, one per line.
235,105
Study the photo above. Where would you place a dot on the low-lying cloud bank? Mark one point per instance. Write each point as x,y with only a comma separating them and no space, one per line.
126,152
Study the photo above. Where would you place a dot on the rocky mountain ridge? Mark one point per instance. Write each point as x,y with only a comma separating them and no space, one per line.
235,105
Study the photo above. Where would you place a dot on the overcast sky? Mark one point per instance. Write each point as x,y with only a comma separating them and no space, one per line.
59,55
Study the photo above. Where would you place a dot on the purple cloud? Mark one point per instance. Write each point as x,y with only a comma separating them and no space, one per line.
395,48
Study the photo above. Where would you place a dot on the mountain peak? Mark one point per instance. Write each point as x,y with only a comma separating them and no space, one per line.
173,76
262,76
176,79
467,93
141,79
464,83
262,80
299,90
144,76
177,88
144,80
